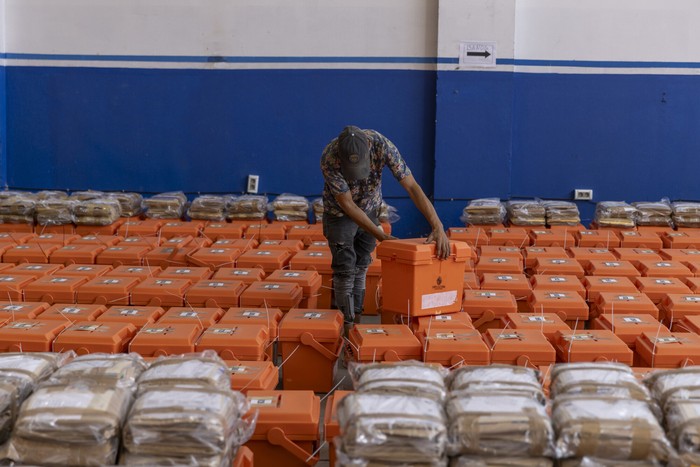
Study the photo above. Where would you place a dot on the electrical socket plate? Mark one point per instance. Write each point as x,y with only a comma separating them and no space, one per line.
583,195
253,183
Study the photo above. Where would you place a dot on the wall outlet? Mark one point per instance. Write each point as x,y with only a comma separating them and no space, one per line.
253,183
583,195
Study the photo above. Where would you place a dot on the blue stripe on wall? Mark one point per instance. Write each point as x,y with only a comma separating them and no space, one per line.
3,128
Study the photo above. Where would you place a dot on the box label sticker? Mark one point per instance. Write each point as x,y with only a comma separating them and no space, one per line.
59,280
443,318
263,253
375,331
183,271
628,298
156,330
129,312
13,307
316,253
537,319
84,268
663,265
271,286
217,251
609,280
586,232
691,299
291,274
251,314
87,327
509,336
556,295
598,251
498,260
440,299
631,319
7,279
239,369
135,270
111,281
163,282
188,314
645,252
557,279
558,261
486,294
71,311
22,325
504,278
223,331
33,268
663,281
262,401
444,335
667,340
216,284
241,273
611,264
579,337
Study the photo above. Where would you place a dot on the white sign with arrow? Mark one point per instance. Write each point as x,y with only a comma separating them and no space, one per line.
477,53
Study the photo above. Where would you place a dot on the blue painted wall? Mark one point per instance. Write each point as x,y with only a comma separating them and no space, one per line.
3,128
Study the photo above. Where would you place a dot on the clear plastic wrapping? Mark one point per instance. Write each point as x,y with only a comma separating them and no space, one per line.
392,428
27,370
170,205
605,379
501,461
675,385
317,206
503,425
210,207
87,195
496,379
55,211
17,210
388,213
110,370
615,214
597,462
204,369
342,460
484,211
608,428
50,194
409,378
9,403
288,207
654,213
686,214
131,204
250,207
683,424
101,211
561,212
526,212
73,425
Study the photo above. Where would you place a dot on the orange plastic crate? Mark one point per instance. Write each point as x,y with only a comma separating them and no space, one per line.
656,288
54,289
558,283
89,271
485,307
73,313
689,323
318,245
218,230
215,293
30,253
202,317
320,261
685,240
253,375
454,348
110,229
331,424
309,281
562,238
64,229
563,266
598,345
101,240
657,229
374,276
167,256
291,246
245,275
270,317
613,303
14,311
34,270
512,236
151,242
693,284
675,307
123,255
157,340
146,228
596,284
6,266
568,305
20,228
533,253
30,335
244,458
628,326
16,238
585,255
160,292
383,342
181,242
265,232
664,269
614,268
524,347
107,290
635,255
12,286
236,341
243,244
192,273
471,281
310,344
287,430
683,255
86,337
267,260
668,349
306,233
451,322
53,239
498,264
546,323
5,247
596,239
517,284
473,236
640,240
501,251
272,294
214,257
173,229
139,316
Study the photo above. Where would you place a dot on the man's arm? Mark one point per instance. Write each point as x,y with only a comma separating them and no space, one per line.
359,217
426,208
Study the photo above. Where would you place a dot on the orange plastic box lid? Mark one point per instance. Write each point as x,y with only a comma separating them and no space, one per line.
634,239
57,239
596,239
689,323
657,229
681,240
123,255
216,293
110,229
6,266
107,290
235,341
73,313
454,348
34,270
30,253
12,286
13,311
160,339
296,414
547,323
416,252
139,272
533,253
541,237
217,230
599,345
693,265
148,227
656,288
288,245
471,281
514,236
265,232
318,260
167,256
664,269
253,375
693,283
155,291
52,289
488,303
214,257
501,251
194,274
451,321
585,254
310,325
614,268
86,337
245,275
103,240
243,244
309,281
568,305
517,284
473,236
61,229
523,347
668,349
330,417
24,228
318,245
5,247
611,302
89,271
675,307
635,255
181,242
596,284
306,233
384,342
139,316
564,266
270,317
267,260
181,229
151,242
30,335
682,255
203,317
557,283
16,238
628,326
499,264
283,295
567,228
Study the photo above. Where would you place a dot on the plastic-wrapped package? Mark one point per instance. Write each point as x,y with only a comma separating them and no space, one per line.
50,194
605,379
75,425
526,212
17,210
615,214
686,214
317,206
500,461
674,385
596,462
203,369
170,205
410,378
86,195
27,370
210,207
388,214
55,211
392,428
288,207
683,425
561,212
9,403
99,211
498,425
343,460
608,428
111,370
173,425
13,194
484,211
131,204
252,207
496,379
654,213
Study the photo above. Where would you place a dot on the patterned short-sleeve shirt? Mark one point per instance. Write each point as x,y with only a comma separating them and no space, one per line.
367,193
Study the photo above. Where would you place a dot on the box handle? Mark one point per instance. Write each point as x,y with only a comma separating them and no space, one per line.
276,437
487,316
307,338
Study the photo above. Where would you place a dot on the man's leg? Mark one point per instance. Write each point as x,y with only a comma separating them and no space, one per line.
340,233
364,246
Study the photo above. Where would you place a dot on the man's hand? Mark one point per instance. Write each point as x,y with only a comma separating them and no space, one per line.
387,237
442,243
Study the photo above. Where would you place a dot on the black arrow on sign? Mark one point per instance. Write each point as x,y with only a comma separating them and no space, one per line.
484,54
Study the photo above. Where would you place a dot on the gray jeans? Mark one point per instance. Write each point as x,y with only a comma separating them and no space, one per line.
351,247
